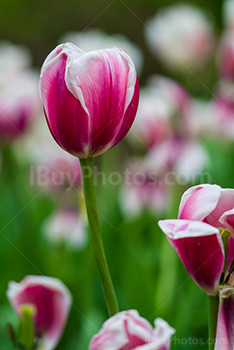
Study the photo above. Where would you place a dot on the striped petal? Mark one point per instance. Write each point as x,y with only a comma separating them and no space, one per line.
200,248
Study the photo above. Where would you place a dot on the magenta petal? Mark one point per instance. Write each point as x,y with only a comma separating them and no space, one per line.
52,302
64,113
225,326
198,202
200,248
105,82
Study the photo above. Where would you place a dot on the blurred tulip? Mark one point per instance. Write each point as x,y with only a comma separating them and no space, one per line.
52,168
199,244
202,118
14,59
162,110
222,110
179,158
127,330
226,55
66,225
180,36
19,105
228,13
95,39
142,190
90,99
52,302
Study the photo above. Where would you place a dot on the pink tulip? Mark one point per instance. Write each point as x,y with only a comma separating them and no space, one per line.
127,331
68,226
89,99
177,156
226,55
52,301
143,190
222,108
181,36
195,234
19,105
162,109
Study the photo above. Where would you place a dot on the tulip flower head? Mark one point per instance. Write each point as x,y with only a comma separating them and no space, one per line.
51,301
127,330
89,99
203,235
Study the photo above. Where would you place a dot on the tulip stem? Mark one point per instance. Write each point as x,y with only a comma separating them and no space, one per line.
213,302
95,234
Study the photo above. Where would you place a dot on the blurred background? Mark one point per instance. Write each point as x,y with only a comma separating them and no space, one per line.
183,135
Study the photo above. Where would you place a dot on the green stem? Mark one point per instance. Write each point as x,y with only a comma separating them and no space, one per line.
213,302
95,233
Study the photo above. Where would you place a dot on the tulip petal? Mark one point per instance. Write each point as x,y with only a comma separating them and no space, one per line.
52,301
225,203
106,81
198,202
225,325
227,220
200,248
60,104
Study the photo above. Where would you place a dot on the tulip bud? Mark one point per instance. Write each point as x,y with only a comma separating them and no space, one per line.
127,330
89,99
51,300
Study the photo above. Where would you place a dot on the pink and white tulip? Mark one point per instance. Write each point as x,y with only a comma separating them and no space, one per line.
162,102
52,302
195,235
177,158
222,110
19,105
226,55
127,330
143,189
68,226
89,99
180,36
